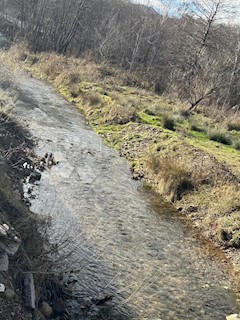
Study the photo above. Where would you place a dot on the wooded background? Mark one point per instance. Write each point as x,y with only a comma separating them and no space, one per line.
192,55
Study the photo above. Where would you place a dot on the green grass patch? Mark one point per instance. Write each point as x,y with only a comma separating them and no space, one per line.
149,119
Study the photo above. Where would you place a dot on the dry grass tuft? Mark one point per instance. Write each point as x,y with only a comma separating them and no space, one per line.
226,205
19,52
120,115
234,124
5,107
172,177
53,65
93,99
68,76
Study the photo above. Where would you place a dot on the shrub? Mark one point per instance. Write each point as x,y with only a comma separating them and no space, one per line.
53,65
121,115
150,112
198,123
168,123
32,59
93,99
106,71
67,77
172,177
74,90
219,136
19,52
237,145
195,127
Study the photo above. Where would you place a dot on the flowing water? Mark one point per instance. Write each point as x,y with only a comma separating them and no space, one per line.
120,246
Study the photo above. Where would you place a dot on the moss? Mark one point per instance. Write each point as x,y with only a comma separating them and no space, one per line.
64,91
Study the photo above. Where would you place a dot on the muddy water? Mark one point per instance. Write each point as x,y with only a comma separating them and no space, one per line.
148,262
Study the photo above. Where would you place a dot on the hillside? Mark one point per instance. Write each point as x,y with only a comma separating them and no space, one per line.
192,160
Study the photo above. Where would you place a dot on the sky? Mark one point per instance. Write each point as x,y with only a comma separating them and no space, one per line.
163,6
171,7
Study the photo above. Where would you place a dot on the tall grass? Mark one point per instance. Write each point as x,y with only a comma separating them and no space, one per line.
171,175
234,124
220,136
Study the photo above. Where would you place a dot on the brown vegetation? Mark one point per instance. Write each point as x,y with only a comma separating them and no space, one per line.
194,57
172,176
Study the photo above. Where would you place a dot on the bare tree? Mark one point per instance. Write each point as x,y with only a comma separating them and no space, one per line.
203,68
194,55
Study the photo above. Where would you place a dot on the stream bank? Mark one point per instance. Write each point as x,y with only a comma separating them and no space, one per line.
26,275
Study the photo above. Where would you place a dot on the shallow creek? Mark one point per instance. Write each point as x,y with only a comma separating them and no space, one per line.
120,246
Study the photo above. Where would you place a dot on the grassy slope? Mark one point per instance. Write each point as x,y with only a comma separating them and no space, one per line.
172,152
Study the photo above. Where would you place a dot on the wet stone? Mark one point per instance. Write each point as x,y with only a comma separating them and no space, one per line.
234,316
40,316
2,288
4,261
3,231
46,309
9,294
29,293
35,176
9,240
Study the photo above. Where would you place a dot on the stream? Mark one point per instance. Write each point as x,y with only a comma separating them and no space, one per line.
116,243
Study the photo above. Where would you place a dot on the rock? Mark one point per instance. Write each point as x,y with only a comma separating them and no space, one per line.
9,239
46,309
3,231
192,209
2,288
234,316
39,316
9,294
29,294
4,261
35,176
28,315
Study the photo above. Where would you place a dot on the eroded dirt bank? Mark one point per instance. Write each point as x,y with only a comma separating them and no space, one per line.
23,248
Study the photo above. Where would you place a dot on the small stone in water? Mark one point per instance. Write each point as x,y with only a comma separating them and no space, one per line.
46,309
2,287
234,316
9,294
